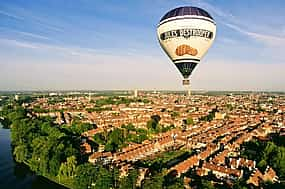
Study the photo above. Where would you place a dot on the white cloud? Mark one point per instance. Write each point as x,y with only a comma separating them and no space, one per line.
32,35
24,15
235,23
10,15
267,39
228,40
215,10
18,43
22,33
49,47
74,51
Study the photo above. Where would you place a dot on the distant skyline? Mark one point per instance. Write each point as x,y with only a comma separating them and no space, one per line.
110,45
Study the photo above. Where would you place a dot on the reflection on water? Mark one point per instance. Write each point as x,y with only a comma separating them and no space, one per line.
14,175
22,171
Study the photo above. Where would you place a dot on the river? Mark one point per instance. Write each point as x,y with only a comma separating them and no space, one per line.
14,175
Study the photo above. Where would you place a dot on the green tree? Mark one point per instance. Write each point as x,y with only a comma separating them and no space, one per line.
115,176
104,179
99,138
40,155
86,176
190,121
278,162
115,140
54,164
153,123
63,171
67,169
111,146
129,182
230,107
71,165
240,184
21,153
207,184
78,127
155,182
262,165
174,114
176,185
156,118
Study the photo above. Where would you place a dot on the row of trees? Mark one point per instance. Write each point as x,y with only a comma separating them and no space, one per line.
118,100
47,149
119,137
8,112
77,127
53,152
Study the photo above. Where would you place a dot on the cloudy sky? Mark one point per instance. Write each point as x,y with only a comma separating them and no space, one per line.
95,45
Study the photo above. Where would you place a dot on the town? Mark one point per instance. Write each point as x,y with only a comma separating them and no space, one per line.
177,136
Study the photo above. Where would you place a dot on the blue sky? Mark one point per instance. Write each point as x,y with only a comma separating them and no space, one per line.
86,44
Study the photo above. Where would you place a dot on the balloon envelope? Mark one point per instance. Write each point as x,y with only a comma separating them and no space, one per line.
186,34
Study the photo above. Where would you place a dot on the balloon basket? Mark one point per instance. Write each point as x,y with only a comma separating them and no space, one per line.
186,82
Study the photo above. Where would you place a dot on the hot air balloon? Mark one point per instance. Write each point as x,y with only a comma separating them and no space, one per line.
186,34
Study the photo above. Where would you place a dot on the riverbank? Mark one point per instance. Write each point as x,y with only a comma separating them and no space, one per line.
14,175
4,123
51,179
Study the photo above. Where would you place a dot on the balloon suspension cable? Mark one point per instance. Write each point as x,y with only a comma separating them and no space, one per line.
186,84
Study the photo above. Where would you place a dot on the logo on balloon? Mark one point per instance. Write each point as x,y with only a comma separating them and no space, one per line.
186,49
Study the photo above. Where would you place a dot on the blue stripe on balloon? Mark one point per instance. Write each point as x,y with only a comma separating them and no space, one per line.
183,18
